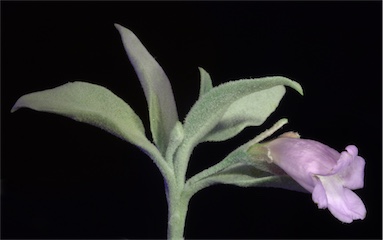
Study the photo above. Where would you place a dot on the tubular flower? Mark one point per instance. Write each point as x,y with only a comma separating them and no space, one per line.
327,174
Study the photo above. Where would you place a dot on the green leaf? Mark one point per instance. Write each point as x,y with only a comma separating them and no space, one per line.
248,175
246,166
92,104
239,169
252,177
206,83
176,137
158,91
251,110
209,110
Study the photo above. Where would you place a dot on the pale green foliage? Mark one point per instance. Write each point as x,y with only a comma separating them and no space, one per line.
89,103
176,138
208,113
242,169
206,83
251,110
156,85
220,113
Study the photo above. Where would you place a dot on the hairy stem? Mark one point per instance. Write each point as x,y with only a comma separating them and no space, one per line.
178,203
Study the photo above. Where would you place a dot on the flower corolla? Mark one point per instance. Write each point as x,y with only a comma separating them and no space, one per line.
327,174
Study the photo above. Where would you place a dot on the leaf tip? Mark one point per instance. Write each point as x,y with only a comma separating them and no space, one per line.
118,26
14,108
283,121
123,30
17,105
295,85
299,89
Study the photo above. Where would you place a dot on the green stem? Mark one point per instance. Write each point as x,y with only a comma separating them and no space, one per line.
178,203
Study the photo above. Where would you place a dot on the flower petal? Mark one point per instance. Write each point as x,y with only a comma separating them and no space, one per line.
319,195
357,206
303,158
353,174
342,202
343,162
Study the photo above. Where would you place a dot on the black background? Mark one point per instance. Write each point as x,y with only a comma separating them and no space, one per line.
64,179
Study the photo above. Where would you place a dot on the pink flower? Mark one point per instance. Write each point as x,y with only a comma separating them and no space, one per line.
327,174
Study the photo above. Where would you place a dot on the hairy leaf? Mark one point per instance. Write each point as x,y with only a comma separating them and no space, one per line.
176,137
246,168
209,110
251,110
206,83
92,104
158,91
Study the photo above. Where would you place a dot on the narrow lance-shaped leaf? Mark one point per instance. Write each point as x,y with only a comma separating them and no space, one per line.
206,83
92,104
246,169
156,85
240,156
247,175
239,169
